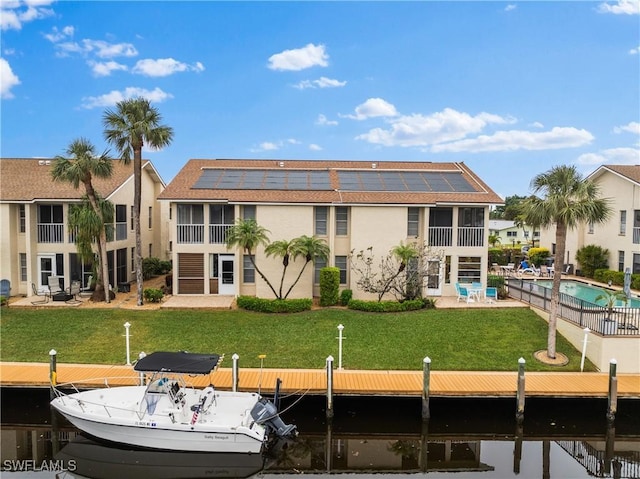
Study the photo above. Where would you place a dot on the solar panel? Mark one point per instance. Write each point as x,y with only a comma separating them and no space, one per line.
403,181
236,179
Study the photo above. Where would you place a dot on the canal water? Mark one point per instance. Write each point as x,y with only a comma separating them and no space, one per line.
368,437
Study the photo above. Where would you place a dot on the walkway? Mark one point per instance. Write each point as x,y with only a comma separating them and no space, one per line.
346,382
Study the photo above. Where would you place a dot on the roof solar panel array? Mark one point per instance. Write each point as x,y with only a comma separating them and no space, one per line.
404,181
245,179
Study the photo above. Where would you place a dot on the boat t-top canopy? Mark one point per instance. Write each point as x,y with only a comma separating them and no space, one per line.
178,362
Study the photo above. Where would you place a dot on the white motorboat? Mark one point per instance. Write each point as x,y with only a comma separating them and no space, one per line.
169,414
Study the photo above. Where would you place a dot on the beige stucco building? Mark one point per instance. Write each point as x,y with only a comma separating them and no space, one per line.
35,241
621,233
352,205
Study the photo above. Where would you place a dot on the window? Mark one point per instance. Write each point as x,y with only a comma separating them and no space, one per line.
590,228
22,219
623,222
318,265
413,221
23,266
249,212
150,216
221,219
213,265
341,264
50,224
132,226
190,223
170,245
636,264
469,269
342,220
150,250
620,260
471,217
248,271
512,234
321,213
121,222
133,259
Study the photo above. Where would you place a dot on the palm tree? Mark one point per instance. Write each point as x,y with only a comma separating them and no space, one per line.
568,200
494,239
247,234
311,249
81,166
281,248
133,124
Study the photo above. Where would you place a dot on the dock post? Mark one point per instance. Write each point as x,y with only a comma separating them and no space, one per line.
340,338
612,406
127,325
234,372
53,375
520,393
426,379
584,347
330,387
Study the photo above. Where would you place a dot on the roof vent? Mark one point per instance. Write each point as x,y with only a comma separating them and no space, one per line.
374,165
41,162
47,162
281,164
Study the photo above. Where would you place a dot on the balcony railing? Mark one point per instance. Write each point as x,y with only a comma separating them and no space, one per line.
218,233
50,233
190,234
636,235
471,236
440,235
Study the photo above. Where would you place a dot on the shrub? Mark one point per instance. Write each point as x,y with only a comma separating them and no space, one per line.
329,285
616,277
591,258
497,255
538,256
262,305
153,266
345,297
3,300
387,306
153,295
495,280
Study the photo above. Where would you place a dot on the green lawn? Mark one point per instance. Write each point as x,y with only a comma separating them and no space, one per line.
454,339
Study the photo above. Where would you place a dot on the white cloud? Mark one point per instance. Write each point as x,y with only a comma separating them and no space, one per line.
322,82
8,79
556,138
298,59
99,48
322,120
510,7
421,130
536,124
621,7
634,51
163,67
268,146
372,108
109,99
314,147
103,69
58,35
632,127
613,156
15,13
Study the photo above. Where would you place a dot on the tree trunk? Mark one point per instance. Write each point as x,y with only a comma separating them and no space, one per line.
137,198
561,239
102,241
261,274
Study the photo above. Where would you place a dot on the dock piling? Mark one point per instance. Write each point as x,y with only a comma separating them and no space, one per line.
520,395
426,380
329,387
127,325
53,375
612,402
234,372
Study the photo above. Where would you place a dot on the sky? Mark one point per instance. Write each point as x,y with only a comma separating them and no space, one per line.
511,89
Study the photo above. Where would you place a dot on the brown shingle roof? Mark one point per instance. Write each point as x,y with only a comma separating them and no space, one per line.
182,188
25,179
631,172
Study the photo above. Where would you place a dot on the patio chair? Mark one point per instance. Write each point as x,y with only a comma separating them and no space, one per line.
463,293
544,271
37,294
74,291
5,288
491,294
54,285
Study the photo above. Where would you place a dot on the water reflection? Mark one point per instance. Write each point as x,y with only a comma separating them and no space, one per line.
470,439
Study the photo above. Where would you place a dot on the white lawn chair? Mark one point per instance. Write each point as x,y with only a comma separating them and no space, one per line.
54,285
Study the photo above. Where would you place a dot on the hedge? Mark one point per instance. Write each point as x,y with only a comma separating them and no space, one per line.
261,305
390,306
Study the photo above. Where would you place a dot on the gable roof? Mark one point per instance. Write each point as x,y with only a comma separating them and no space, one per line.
28,180
629,172
326,182
501,224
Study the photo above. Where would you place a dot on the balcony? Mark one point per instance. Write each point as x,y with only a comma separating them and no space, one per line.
218,233
440,235
471,236
50,233
190,234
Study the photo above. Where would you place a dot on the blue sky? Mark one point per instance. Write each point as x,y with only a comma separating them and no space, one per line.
509,88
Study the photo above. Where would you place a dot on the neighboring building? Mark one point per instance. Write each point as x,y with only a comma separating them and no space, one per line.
621,234
353,205
35,241
511,235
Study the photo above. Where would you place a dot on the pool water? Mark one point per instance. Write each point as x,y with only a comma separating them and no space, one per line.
587,293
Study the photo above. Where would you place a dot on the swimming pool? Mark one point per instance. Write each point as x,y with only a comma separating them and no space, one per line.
586,292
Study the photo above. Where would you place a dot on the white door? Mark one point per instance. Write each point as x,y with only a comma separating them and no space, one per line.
434,277
226,283
46,268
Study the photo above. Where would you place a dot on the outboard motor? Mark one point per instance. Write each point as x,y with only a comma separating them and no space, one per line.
265,413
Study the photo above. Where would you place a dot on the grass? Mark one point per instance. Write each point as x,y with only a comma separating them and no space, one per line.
484,340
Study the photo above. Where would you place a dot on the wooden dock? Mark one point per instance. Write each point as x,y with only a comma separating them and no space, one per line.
345,382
